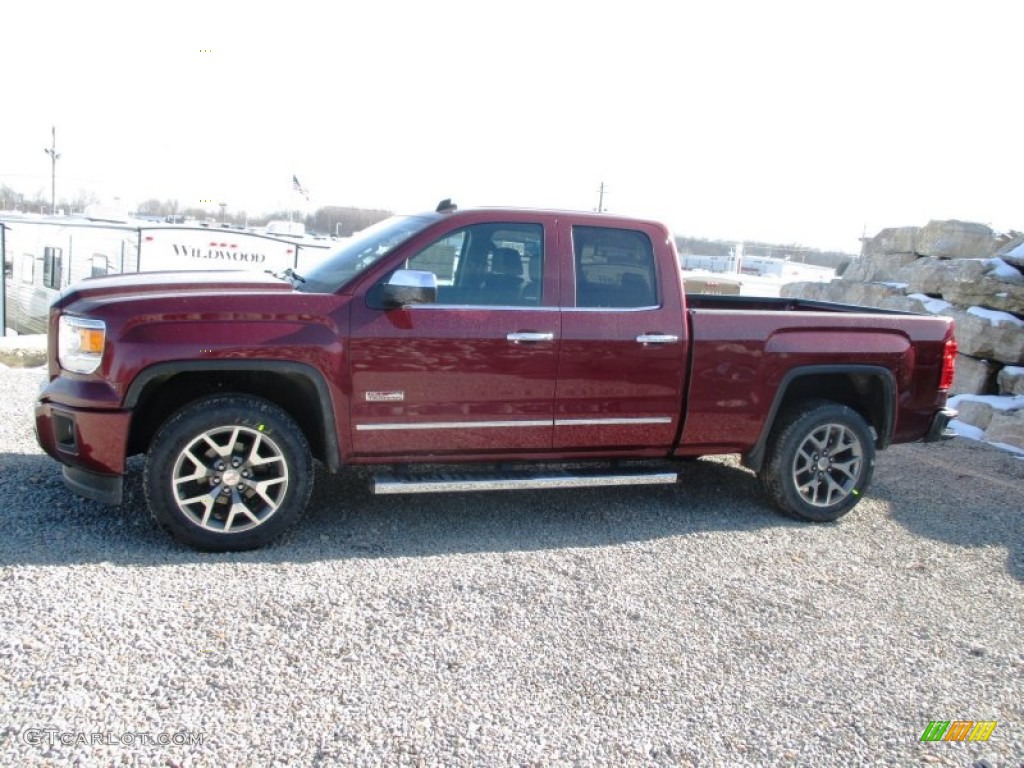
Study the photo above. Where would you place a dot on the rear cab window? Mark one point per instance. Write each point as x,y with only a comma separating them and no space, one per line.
614,268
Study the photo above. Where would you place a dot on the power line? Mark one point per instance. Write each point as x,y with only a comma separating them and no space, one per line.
54,157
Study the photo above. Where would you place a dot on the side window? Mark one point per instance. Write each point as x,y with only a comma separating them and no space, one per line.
100,265
614,268
28,268
52,267
441,258
492,264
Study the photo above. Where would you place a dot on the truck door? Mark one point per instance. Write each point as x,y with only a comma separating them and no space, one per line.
623,353
473,373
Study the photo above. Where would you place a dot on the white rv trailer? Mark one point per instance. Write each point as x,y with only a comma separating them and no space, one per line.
43,254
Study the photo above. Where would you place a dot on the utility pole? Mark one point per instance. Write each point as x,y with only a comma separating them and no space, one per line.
600,199
54,157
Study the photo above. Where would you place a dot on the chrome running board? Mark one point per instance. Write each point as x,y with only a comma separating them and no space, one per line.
513,481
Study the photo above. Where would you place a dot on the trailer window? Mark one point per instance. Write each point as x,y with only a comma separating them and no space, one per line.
52,267
28,268
100,265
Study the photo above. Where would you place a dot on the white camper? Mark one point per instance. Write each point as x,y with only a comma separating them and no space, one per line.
43,254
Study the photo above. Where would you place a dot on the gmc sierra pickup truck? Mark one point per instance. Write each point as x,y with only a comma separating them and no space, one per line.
535,349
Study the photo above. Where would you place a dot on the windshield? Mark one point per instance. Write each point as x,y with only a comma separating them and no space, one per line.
361,251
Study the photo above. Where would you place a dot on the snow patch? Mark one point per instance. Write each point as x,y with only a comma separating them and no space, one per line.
1017,252
1012,448
1013,370
935,306
897,286
1000,269
971,432
995,317
997,402
963,429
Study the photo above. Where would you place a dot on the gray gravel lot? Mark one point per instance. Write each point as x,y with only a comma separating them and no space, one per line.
686,625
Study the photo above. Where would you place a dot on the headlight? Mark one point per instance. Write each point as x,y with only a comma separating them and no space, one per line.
80,343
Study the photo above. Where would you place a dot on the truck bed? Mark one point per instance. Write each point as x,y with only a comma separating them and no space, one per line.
775,304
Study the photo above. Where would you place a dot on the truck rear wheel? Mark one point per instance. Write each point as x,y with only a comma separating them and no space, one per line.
819,461
228,473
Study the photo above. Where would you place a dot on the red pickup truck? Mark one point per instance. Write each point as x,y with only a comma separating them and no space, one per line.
537,349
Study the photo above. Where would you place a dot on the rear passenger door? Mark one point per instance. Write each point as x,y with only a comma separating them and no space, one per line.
622,358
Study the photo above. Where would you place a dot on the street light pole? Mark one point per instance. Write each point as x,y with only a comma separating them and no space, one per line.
54,157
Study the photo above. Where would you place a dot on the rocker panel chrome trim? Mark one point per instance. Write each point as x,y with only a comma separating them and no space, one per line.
389,484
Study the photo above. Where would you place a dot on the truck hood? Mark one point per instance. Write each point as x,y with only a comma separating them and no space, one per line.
138,284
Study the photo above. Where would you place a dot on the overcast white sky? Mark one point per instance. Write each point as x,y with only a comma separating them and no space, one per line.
794,122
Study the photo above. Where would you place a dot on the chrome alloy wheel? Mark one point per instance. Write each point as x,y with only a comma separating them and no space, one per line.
828,465
230,479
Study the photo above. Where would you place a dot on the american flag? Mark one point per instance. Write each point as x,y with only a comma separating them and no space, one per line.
299,188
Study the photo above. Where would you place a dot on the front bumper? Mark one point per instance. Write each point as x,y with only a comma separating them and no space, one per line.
91,445
939,429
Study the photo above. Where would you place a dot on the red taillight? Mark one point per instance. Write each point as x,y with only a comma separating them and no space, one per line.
948,364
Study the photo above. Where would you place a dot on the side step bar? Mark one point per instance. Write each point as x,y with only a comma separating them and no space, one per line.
513,481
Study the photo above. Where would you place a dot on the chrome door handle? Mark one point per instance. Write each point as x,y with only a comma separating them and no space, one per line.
515,338
657,338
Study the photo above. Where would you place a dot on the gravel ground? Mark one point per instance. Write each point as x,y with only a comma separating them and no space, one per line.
685,625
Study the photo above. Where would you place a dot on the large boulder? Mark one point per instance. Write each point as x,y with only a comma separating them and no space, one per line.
989,283
973,377
955,240
1012,250
975,413
813,291
1001,418
918,303
1011,381
925,305
883,255
868,294
989,334
1006,427
878,268
893,240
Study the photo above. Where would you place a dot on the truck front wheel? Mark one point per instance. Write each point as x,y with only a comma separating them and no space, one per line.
228,473
819,460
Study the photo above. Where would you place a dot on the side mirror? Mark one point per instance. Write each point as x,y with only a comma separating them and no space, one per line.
408,286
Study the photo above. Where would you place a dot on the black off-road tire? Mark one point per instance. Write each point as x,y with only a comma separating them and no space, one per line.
819,461
228,473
